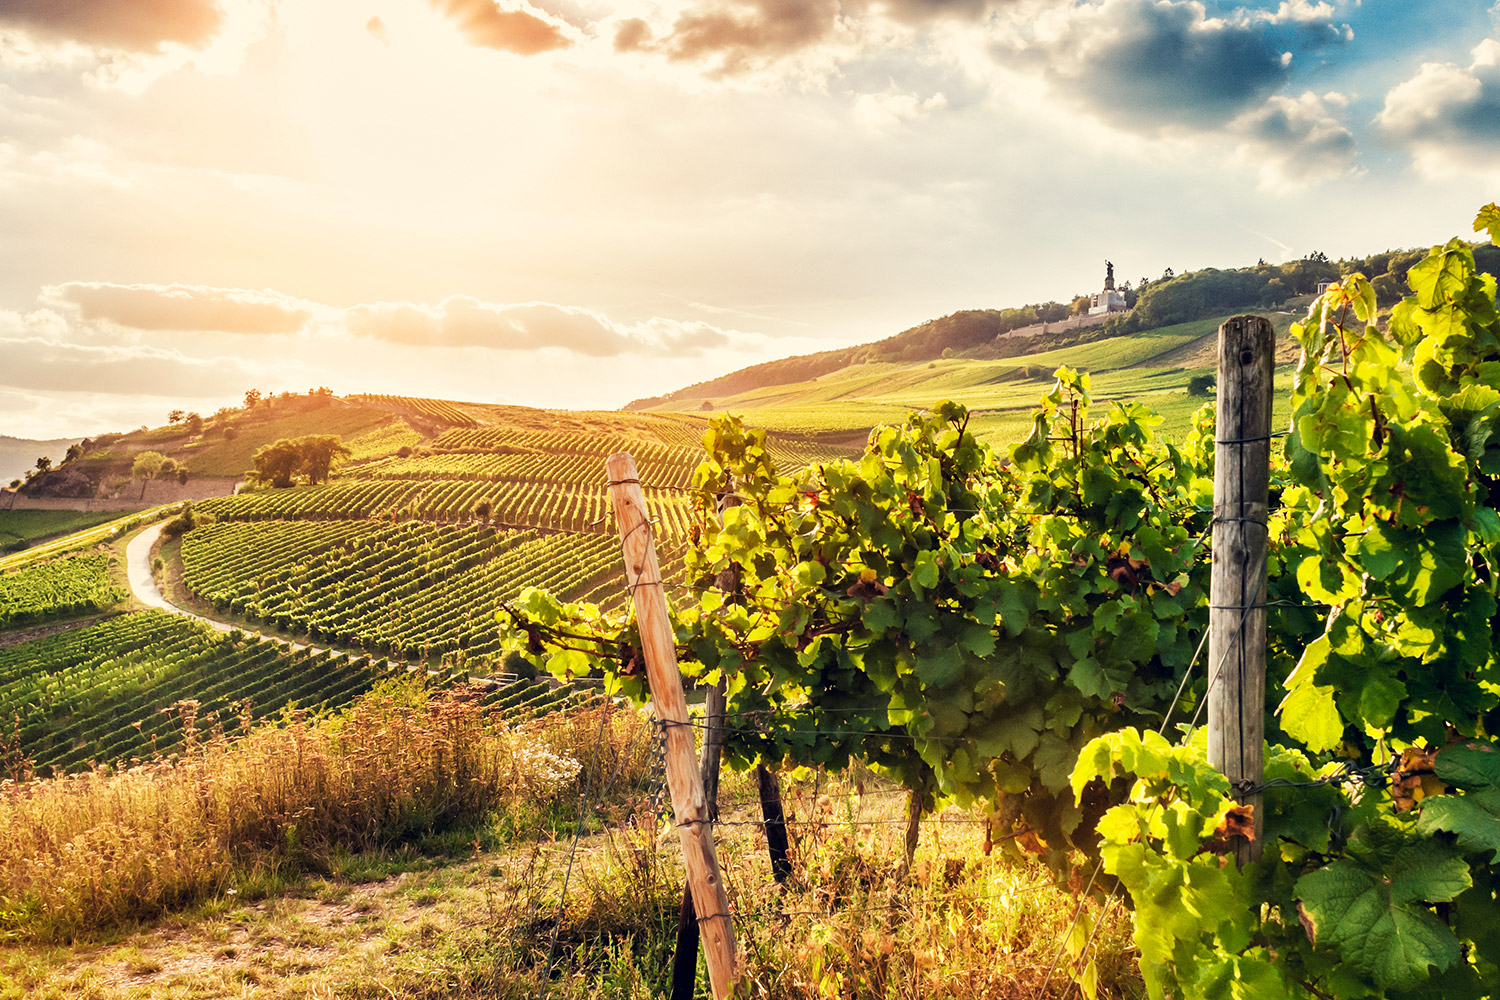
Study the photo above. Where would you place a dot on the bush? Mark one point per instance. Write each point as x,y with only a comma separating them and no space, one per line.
1202,385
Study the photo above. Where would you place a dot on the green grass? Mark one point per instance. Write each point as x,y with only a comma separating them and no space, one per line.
20,529
1153,367
219,457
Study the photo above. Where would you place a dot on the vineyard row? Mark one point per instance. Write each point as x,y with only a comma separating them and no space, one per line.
404,589
576,508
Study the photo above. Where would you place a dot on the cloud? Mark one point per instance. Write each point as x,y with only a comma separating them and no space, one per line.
181,307
737,35
1148,65
136,25
37,364
378,31
483,23
457,321
1300,137
461,321
1449,115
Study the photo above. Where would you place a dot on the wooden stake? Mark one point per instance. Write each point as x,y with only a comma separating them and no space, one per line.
689,804
1237,589
685,957
773,816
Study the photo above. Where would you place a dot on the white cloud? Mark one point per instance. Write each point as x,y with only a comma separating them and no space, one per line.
1447,115
181,307
1297,140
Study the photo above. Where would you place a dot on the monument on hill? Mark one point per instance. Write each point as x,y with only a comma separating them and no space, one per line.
1108,300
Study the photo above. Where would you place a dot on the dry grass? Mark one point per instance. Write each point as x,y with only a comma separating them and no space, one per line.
334,800
89,851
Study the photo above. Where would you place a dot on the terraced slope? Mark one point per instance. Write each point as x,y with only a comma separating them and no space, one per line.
407,589
141,683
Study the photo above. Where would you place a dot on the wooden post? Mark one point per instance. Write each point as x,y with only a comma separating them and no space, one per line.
773,815
689,805
1237,590
685,957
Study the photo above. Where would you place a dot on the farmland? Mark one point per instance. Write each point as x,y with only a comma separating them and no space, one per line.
136,685
70,586
918,645
407,588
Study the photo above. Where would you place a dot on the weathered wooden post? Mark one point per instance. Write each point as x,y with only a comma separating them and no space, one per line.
1237,590
685,957
690,808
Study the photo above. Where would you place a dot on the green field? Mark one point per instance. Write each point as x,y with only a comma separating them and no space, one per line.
75,585
1152,367
21,529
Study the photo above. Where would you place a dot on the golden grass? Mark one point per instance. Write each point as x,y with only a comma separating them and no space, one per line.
97,855
88,851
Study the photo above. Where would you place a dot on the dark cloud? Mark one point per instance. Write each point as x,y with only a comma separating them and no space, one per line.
482,22
461,321
137,25
35,364
181,307
1147,63
1447,107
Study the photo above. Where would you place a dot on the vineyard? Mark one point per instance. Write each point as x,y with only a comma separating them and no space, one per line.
579,508
70,586
404,589
129,686
430,409
1023,630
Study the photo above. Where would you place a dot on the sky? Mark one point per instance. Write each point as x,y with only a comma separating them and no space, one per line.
574,203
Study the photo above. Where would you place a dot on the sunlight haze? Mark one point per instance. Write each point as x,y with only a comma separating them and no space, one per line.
575,203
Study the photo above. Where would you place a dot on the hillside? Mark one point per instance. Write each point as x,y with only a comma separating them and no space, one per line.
988,334
1153,367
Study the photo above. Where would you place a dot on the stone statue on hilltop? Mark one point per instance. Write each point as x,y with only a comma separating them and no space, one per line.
1109,274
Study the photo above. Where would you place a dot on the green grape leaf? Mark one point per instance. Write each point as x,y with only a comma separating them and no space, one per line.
1488,220
1440,278
1474,764
924,570
1308,712
1474,817
1377,920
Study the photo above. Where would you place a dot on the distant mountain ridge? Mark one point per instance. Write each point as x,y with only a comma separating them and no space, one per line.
19,454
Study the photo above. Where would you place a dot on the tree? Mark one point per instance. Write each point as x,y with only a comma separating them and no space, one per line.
182,475
319,452
1202,385
276,464
75,451
145,467
311,456
252,398
44,464
195,423
175,417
